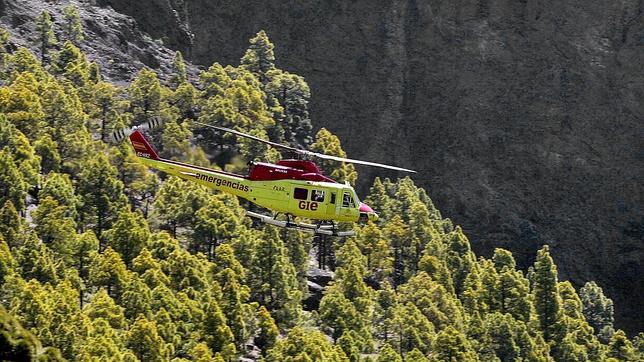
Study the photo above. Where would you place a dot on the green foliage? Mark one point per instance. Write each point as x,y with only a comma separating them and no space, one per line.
292,94
11,225
144,340
145,96
259,58
18,344
268,332
179,74
388,354
46,36
598,310
273,282
304,345
73,26
451,345
129,235
546,296
101,195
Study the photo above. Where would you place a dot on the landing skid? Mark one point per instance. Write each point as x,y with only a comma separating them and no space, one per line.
300,226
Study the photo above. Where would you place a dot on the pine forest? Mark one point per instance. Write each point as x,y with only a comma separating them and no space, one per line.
103,259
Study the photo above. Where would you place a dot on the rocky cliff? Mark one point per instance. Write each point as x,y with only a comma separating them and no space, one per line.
524,118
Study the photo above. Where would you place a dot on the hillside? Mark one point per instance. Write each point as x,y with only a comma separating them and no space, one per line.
102,258
524,118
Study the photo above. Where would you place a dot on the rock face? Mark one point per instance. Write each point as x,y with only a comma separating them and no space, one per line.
112,39
525,119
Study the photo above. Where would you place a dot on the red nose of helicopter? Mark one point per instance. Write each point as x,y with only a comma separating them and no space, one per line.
368,211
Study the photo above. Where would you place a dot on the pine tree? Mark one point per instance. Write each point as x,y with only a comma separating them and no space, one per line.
104,102
412,329
128,236
13,186
55,228
11,225
375,248
16,342
260,58
233,295
167,330
185,98
388,354
101,195
546,298
68,327
500,338
503,259
37,261
23,154
47,149
451,345
144,340
73,26
598,310
305,345
268,331
46,36
145,95
108,270
30,304
620,347
58,186
399,239
291,92
217,334
339,315
103,306
460,258
511,294
179,74
8,265
71,63
137,298
103,342
416,356
380,200
273,281
176,203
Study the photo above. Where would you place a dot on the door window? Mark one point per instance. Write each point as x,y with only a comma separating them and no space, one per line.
333,198
317,195
300,194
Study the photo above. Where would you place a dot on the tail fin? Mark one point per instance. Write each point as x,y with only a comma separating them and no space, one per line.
142,146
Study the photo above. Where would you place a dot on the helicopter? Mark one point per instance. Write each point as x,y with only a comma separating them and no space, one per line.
293,187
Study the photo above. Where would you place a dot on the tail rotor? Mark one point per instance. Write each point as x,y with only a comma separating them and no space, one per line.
118,135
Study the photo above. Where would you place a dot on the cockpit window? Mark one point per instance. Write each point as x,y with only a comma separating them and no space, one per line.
347,200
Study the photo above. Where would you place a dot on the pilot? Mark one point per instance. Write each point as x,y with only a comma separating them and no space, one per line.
346,200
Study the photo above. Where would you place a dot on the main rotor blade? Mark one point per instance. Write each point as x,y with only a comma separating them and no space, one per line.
305,152
360,162
293,149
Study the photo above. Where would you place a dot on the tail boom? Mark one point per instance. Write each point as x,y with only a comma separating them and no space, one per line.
219,180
